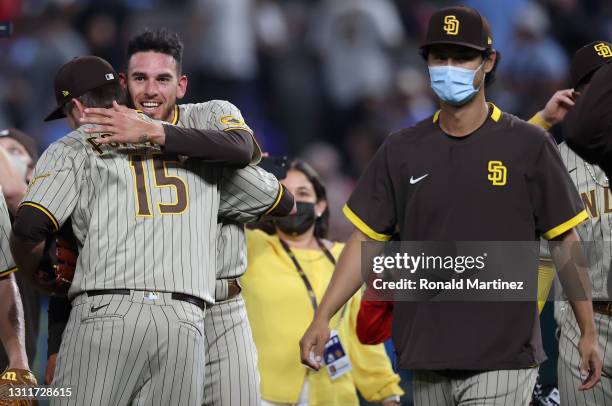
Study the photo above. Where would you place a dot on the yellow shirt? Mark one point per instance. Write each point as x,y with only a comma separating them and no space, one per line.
279,310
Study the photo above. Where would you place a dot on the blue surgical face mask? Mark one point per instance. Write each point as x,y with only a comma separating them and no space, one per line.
453,85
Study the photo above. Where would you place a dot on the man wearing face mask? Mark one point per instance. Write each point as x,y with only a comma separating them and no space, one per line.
469,173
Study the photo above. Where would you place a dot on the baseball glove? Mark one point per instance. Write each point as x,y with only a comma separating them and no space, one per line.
56,269
15,378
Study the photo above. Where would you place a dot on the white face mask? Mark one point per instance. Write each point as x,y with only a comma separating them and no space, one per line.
20,165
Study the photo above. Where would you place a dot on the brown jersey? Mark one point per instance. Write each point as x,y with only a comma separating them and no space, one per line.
503,182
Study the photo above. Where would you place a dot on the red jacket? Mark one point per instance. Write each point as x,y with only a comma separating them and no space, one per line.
374,321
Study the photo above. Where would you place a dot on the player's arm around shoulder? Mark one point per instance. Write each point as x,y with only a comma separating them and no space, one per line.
249,193
223,116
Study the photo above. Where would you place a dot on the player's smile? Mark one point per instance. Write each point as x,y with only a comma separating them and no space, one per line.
150,107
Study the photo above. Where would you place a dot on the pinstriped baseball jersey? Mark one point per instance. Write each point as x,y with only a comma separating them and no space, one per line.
231,251
144,220
594,189
220,115
211,115
7,265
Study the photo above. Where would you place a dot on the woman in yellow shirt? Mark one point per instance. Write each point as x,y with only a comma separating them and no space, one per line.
286,277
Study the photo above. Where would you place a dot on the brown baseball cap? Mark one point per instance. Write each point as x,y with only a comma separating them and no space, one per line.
78,77
30,145
588,59
460,26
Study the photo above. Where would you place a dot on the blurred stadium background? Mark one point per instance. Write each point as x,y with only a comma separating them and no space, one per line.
326,80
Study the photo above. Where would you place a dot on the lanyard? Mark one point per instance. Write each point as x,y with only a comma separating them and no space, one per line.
300,271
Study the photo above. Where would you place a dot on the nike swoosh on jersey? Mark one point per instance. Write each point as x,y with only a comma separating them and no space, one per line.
417,180
95,309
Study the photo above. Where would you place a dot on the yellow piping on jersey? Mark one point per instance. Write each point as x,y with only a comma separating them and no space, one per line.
546,274
281,190
175,119
539,121
239,128
44,210
8,272
569,224
436,116
362,226
495,113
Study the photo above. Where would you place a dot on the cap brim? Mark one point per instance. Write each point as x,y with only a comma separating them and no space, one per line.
588,73
460,43
56,114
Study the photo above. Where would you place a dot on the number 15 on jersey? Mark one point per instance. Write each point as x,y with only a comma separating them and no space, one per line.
142,166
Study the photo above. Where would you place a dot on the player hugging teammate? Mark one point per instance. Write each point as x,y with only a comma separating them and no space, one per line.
144,204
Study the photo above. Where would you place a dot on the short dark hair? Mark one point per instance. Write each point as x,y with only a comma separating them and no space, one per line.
322,223
101,97
160,40
490,77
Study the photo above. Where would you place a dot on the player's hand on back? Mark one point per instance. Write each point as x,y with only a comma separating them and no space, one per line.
124,125
557,107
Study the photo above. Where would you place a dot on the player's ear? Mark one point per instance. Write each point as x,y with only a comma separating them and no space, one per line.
123,79
79,107
181,87
489,62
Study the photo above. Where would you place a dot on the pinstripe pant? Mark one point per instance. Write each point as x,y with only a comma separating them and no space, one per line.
569,359
232,377
491,388
132,350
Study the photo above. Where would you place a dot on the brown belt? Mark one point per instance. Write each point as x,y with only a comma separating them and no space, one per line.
183,297
233,288
603,308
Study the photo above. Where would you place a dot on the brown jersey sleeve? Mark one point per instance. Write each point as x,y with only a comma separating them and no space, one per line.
557,207
371,207
232,147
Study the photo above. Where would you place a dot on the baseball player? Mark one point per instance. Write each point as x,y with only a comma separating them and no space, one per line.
18,154
463,352
146,224
12,329
213,131
586,127
594,188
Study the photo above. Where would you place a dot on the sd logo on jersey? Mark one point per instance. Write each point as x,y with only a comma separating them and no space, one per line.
498,173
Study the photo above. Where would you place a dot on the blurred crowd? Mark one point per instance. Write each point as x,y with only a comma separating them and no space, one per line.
326,80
